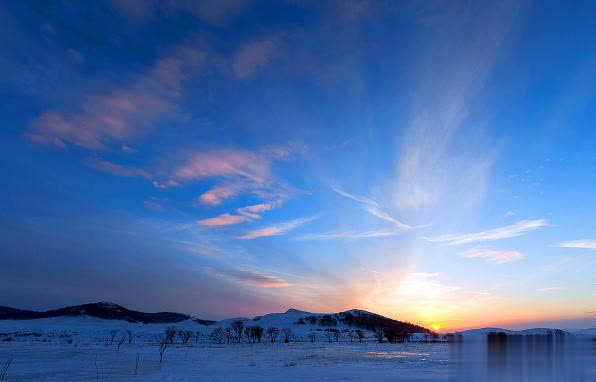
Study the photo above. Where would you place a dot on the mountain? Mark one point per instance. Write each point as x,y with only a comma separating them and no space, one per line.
303,322
533,331
300,321
105,310
585,332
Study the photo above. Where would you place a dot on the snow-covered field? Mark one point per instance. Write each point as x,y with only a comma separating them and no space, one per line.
79,349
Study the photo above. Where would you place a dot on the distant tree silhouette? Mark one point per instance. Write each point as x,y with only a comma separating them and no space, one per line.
229,335
379,335
217,335
122,340
288,333
185,335
170,333
257,333
351,335
253,333
327,320
113,335
359,334
312,336
272,333
329,335
237,328
163,345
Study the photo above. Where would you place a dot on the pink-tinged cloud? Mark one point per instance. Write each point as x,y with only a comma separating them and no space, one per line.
251,278
240,171
222,220
121,113
499,257
276,230
255,210
244,214
226,163
117,169
251,57
217,12
218,194
213,12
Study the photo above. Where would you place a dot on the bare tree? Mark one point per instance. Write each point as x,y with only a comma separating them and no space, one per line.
329,335
351,335
359,334
288,333
163,345
129,333
113,335
336,335
170,333
248,334
217,335
272,333
120,342
379,335
4,369
312,336
229,335
185,335
137,363
254,333
237,327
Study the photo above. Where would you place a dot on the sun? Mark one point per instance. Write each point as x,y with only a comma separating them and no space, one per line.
436,327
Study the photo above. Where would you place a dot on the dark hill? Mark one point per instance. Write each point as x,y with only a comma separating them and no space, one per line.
360,319
105,310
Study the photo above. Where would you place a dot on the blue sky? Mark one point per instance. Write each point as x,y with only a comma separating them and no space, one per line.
430,161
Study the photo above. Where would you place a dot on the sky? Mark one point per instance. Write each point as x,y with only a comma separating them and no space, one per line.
430,161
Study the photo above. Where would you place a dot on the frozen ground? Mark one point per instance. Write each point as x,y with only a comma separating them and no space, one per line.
245,362
78,349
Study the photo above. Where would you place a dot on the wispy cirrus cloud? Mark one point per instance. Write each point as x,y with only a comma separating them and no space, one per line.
551,289
213,12
432,165
251,57
222,220
123,112
220,193
581,244
250,277
243,214
499,257
346,235
255,210
277,229
239,171
117,169
506,232
373,208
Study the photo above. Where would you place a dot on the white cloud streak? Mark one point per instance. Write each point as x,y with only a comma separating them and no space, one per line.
498,257
581,244
346,235
506,232
278,229
374,209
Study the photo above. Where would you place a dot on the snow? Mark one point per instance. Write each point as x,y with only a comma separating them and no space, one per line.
79,349
484,331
